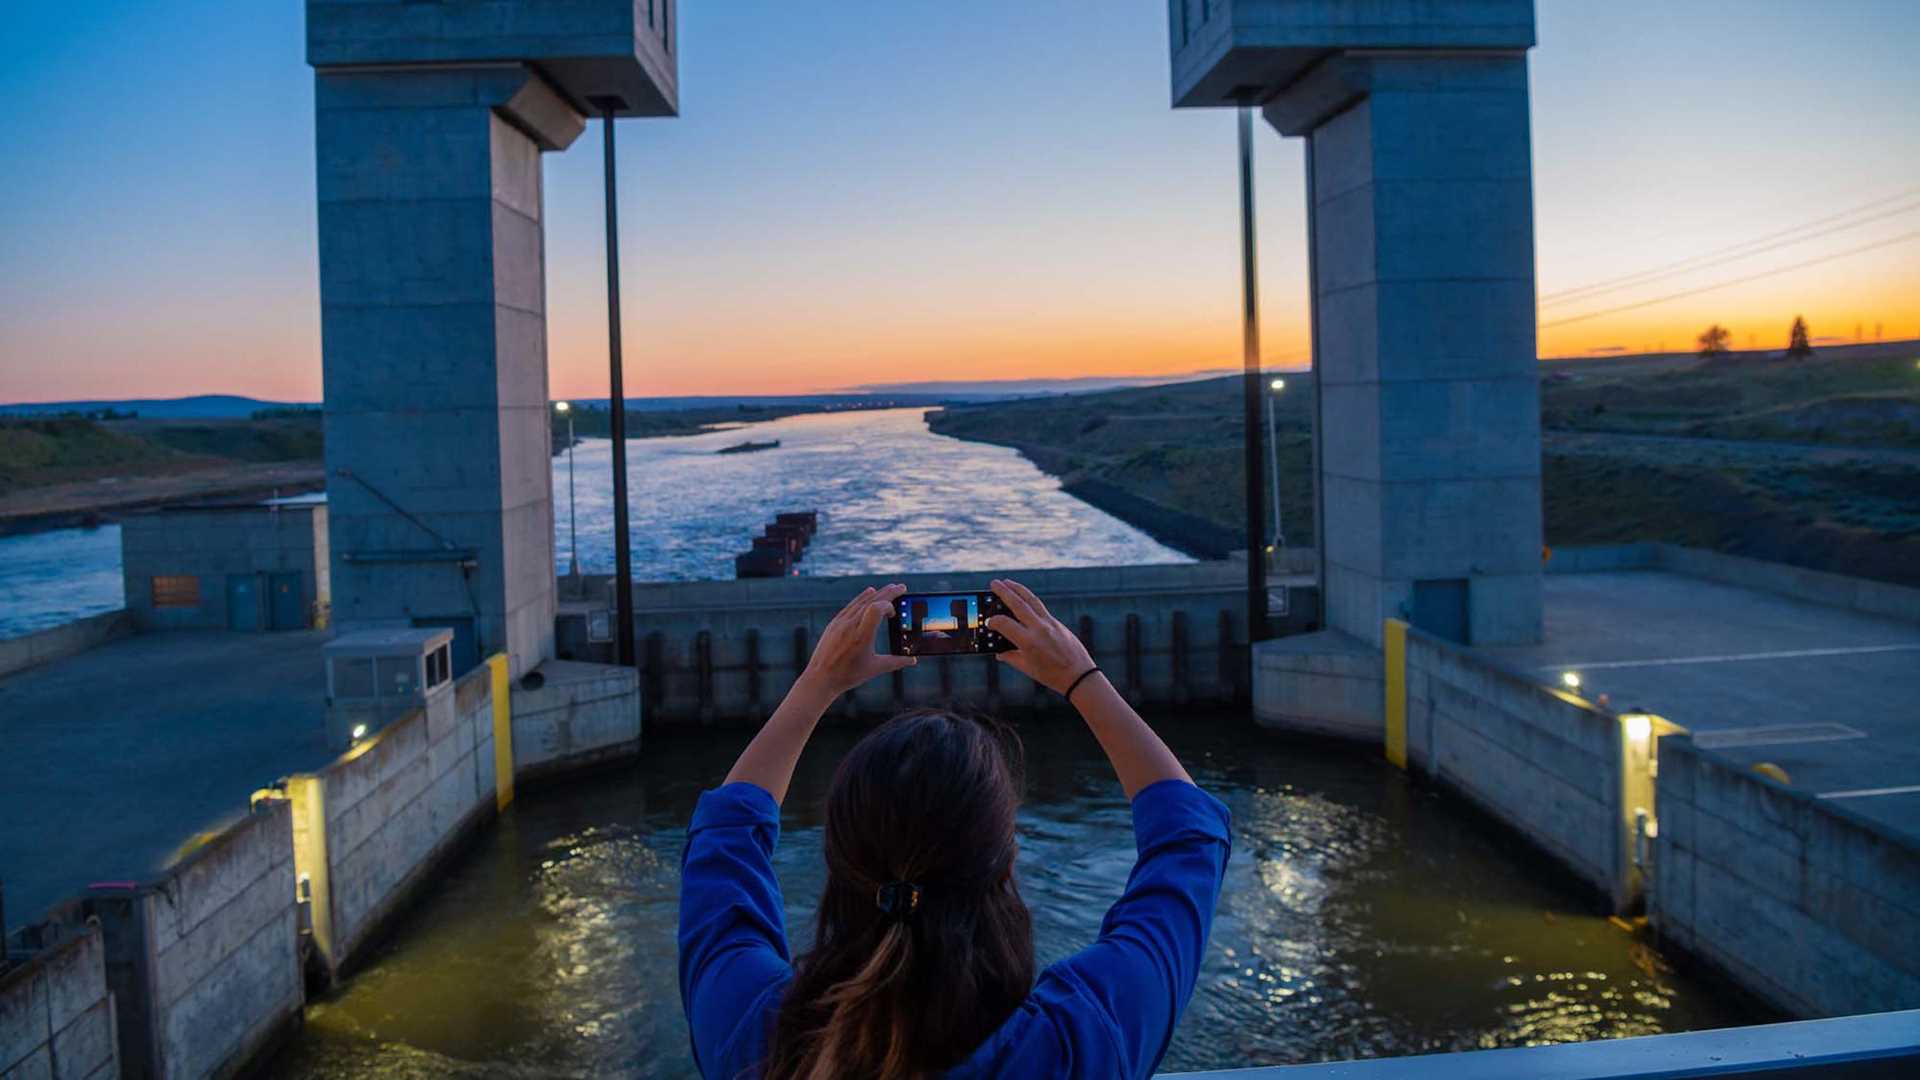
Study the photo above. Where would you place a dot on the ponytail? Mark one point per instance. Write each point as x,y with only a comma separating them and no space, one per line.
862,1020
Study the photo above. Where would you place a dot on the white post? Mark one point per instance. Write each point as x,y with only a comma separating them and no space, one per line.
1273,470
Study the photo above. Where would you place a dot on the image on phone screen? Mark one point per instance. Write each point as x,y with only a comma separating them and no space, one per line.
943,624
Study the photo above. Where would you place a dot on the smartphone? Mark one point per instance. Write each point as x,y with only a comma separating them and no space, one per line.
945,624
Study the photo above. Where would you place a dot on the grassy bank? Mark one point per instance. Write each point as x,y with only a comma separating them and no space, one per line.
37,453
1671,450
65,470
1873,401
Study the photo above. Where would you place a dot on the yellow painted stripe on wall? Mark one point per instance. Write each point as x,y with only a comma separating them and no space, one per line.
1396,649
502,732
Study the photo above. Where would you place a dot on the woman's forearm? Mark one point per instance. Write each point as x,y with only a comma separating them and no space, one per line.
770,758
1139,758
843,660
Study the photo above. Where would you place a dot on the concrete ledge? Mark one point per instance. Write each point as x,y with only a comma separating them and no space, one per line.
46,646
1781,579
56,1016
582,715
1544,762
1326,683
1604,557
1744,863
372,827
1814,586
682,596
726,651
1879,1046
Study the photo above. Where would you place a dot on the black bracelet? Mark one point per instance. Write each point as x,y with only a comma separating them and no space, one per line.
1075,685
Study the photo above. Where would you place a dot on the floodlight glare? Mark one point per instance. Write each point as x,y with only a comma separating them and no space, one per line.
1570,680
1639,726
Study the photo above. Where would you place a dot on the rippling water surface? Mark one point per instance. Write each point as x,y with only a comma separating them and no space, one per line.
1363,916
55,577
894,496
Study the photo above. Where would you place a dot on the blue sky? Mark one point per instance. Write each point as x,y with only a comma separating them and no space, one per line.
988,189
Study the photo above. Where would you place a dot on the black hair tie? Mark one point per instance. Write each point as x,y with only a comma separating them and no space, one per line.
897,899
1075,685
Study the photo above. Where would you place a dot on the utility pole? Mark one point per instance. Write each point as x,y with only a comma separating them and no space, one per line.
1252,391
617,405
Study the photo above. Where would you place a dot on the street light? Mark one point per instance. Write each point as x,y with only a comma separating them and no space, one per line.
1273,468
573,532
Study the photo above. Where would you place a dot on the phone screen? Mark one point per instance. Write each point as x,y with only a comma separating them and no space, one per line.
943,624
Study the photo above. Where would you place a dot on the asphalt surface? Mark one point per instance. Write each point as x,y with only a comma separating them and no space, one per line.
113,759
1829,695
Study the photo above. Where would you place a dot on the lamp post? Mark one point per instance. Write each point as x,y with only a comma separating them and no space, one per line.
573,520
617,403
1250,391
1273,469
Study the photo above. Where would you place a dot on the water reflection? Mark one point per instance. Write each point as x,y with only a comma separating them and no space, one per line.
1363,916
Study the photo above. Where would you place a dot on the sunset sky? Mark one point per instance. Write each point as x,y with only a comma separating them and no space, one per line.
869,193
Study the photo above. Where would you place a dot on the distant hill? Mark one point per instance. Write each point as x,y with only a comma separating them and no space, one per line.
199,407
804,402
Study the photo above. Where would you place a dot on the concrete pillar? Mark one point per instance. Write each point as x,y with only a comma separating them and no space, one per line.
431,119
1420,191
433,324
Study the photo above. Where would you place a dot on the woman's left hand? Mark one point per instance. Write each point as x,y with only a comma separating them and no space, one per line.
845,658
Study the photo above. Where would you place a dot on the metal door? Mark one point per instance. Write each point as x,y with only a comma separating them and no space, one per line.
243,602
287,607
1440,608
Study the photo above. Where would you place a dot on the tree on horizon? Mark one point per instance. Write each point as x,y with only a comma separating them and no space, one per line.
1798,348
1713,341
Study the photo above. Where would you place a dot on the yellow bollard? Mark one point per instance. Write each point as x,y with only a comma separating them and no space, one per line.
502,732
1396,659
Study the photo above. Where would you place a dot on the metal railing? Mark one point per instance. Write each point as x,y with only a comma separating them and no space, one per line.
1869,1047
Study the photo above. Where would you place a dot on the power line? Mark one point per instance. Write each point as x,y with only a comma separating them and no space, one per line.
1651,278
1667,270
1735,281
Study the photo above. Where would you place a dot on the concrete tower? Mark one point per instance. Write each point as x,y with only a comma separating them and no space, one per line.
431,119
1421,225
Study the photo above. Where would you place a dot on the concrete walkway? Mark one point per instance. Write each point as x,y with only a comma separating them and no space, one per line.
1829,695
111,760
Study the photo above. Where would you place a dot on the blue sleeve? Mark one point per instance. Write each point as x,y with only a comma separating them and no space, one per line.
1141,972
733,938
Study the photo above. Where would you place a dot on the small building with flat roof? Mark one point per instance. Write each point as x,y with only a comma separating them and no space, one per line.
249,567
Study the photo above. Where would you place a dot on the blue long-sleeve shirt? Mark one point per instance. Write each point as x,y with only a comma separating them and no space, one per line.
1108,1010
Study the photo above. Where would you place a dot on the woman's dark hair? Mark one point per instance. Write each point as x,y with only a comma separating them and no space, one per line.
927,798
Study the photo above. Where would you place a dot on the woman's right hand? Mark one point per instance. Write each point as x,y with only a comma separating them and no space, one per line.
1044,649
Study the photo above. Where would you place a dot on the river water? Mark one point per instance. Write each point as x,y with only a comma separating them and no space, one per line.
56,577
1363,916
894,497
